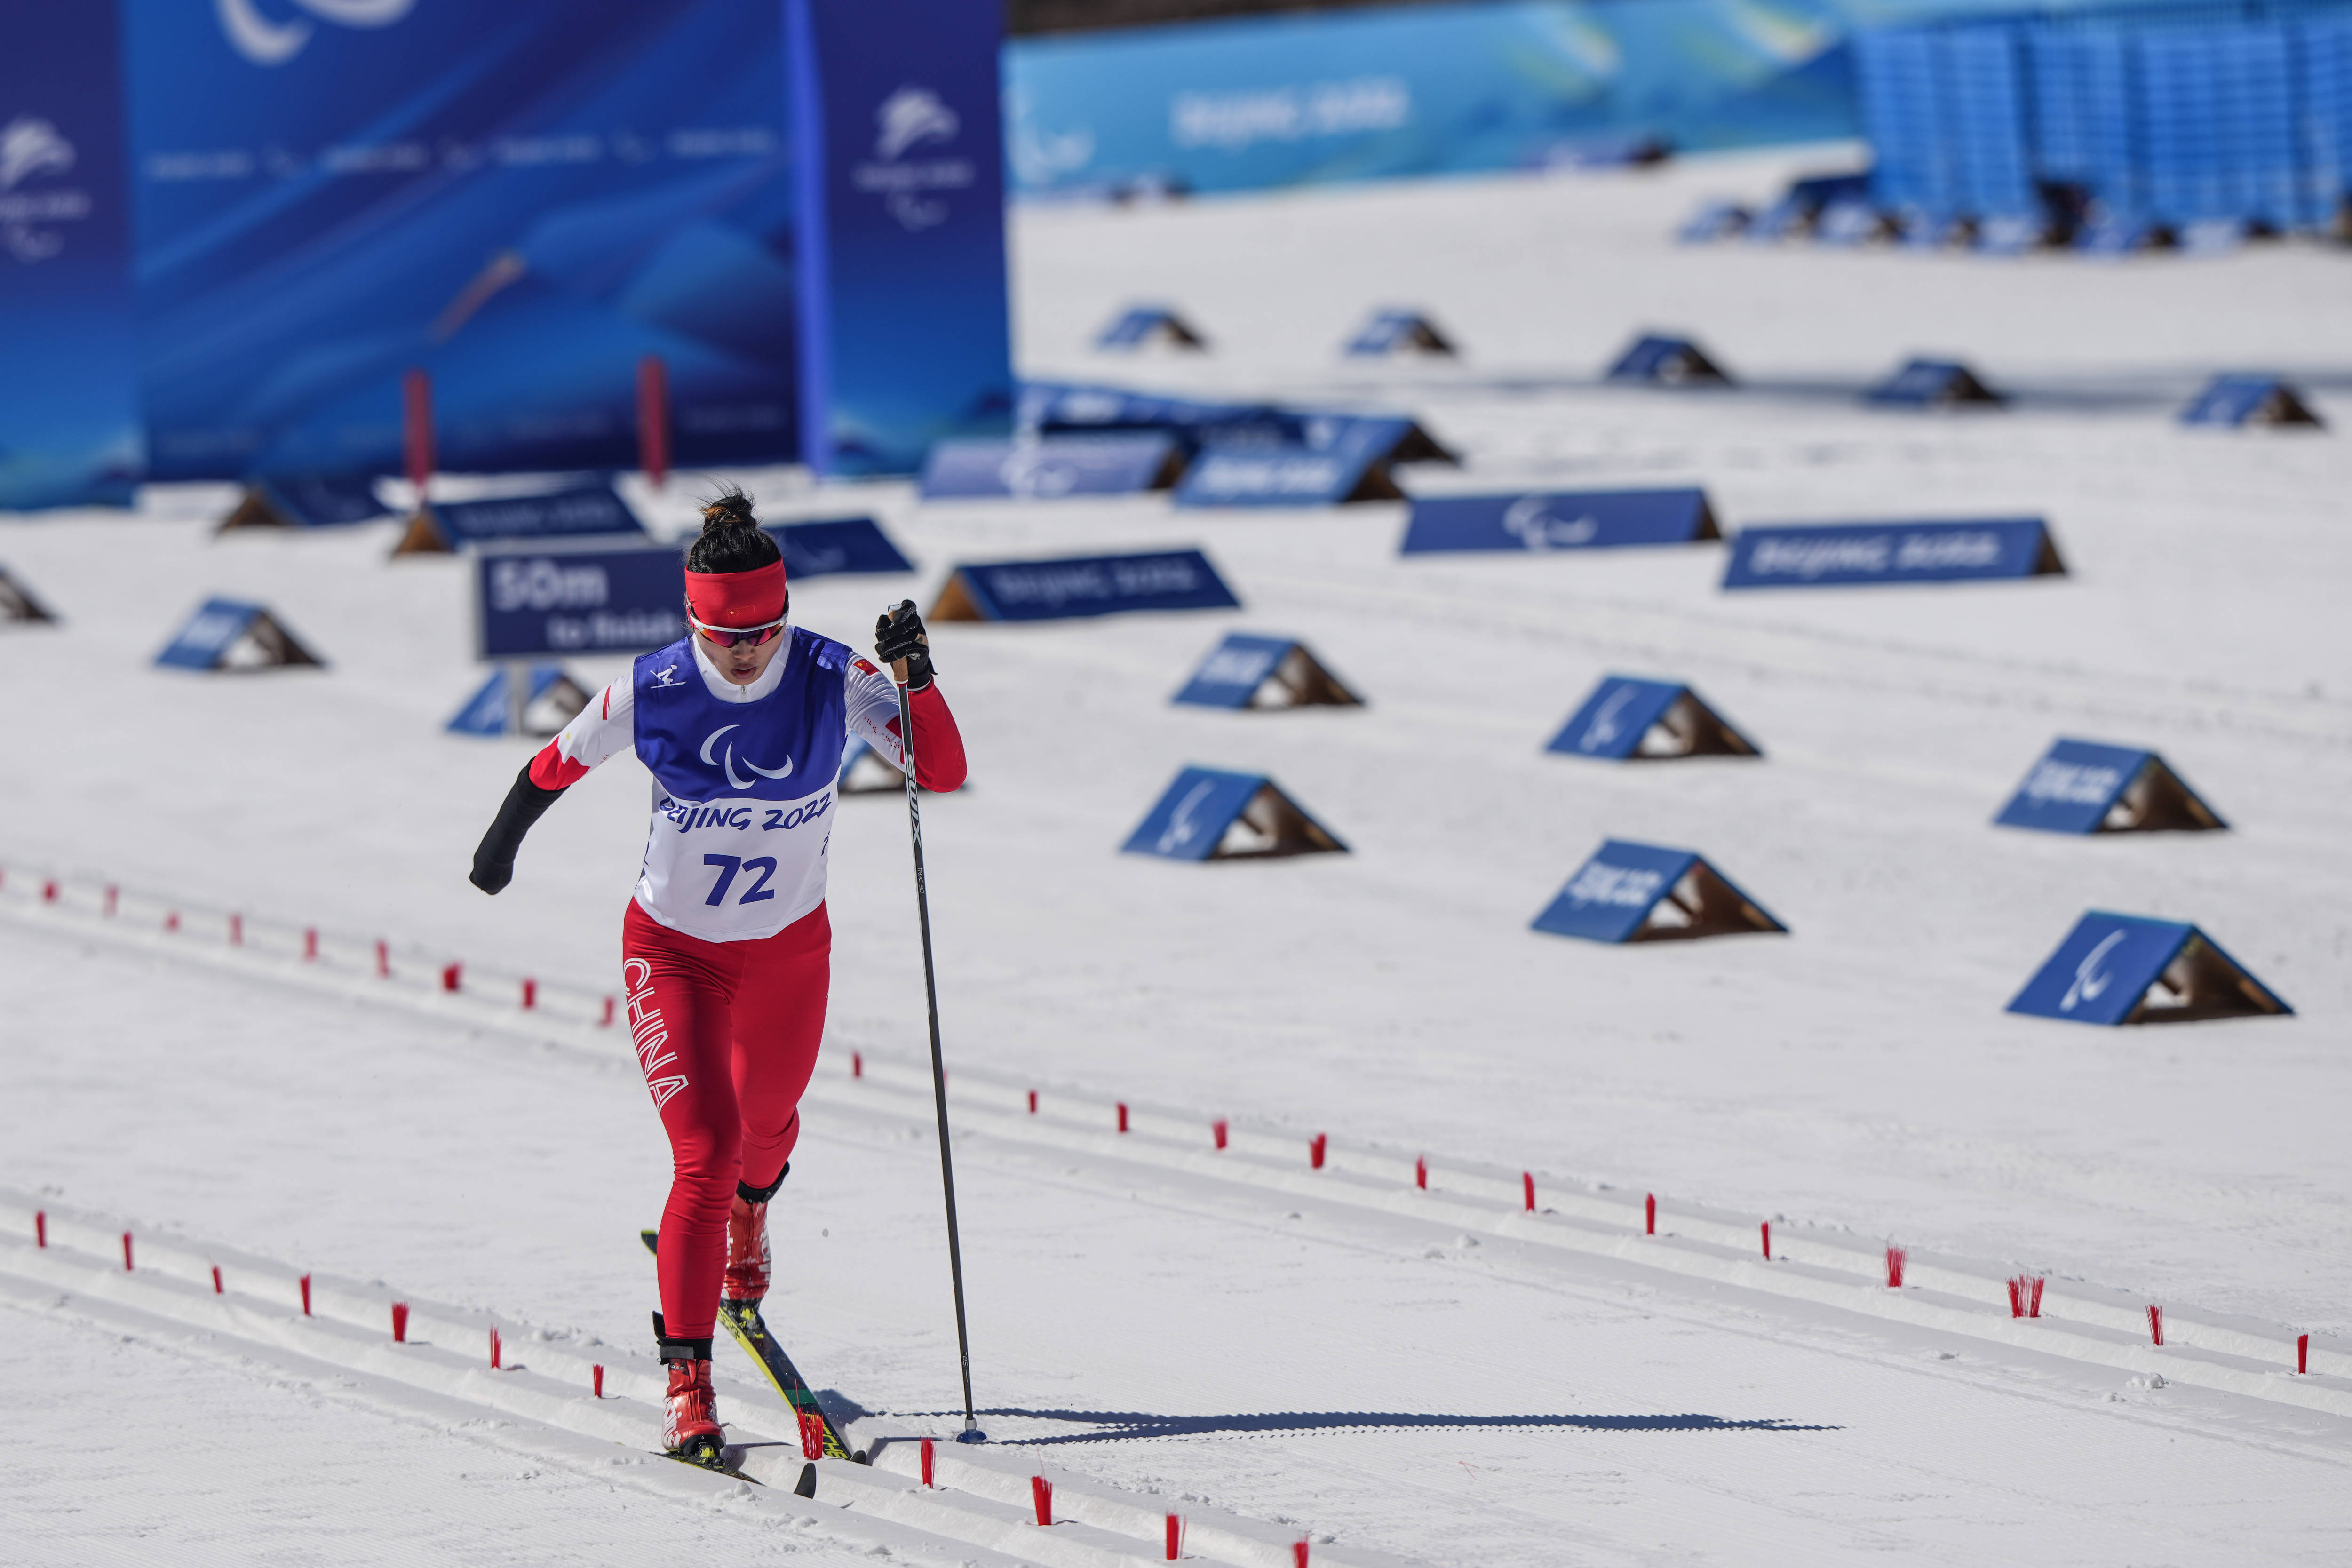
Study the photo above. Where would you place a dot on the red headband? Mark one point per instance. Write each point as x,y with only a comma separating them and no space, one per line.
737,600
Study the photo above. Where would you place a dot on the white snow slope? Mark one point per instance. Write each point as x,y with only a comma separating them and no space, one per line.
1433,1377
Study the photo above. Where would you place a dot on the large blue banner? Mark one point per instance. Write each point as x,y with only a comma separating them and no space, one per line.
69,403
524,200
903,284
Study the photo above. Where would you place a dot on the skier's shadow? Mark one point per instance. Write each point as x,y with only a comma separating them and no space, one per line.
1129,1426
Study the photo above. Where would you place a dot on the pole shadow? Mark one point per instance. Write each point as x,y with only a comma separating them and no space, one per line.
1131,1426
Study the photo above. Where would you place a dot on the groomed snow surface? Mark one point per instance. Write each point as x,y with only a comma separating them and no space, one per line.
1272,1351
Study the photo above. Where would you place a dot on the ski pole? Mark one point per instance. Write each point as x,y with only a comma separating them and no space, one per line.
971,1432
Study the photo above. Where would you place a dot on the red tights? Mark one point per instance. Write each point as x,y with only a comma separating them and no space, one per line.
727,1032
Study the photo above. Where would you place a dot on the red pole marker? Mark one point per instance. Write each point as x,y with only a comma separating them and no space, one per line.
1122,1116
1528,1184
306,1295
1314,1148
596,1379
40,1227
1768,1241
2156,1325
1041,1492
1032,1102
417,428
2034,1309
450,976
126,1252
812,1435
217,1281
171,920
384,961
400,1324
49,892
530,994
236,930
110,896
926,1462
1298,1553
311,943
1421,1173
1895,1256
606,1021
497,1351
2017,1298
1217,1132
856,1064
1175,1536
1649,1213
652,419
2301,1354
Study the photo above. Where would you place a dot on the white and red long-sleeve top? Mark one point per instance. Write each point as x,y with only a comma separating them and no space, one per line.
745,776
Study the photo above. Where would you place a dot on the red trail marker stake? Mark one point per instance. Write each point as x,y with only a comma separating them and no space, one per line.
236,930
606,1021
1175,1536
1032,1102
1217,1132
2301,1354
40,1227
217,1281
416,429
1299,1553
1528,1189
311,943
400,1323
858,1064
49,892
530,994
126,1252
1314,1148
927,1463
1649,1213
110,896
450,977
652,419
596,1378
171,919
2156,1325
306,1295
1768,1241
1041,1493
1122,1116
1421,1173
1895,1256
497,1351
384,961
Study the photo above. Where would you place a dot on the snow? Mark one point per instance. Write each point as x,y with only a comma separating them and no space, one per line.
1854,1081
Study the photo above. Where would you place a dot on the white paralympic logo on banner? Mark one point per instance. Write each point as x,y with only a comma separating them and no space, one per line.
270,43
903,121
31,146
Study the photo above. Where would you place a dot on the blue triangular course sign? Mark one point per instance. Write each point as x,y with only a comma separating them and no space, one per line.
839,546
575,512
230,633
1546,521
1246,671
1046,467
1337,459
1627,719
863,772
16,601
1931,384
1144,325
1393,331
2125,969
1207,815
2081,786
1668,361
1849,554
1069,586
551,700
306,501
2237,400
1641,892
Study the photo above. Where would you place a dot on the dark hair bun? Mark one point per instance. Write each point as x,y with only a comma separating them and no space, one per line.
731,539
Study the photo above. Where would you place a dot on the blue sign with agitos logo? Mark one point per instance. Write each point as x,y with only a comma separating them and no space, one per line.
1544,521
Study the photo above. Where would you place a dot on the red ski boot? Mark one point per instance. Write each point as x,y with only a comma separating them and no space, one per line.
746,1283
692,1432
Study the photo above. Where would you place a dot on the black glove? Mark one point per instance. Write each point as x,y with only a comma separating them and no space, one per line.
494,860
899,634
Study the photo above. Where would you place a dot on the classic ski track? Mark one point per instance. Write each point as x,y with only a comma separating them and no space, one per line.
2081,1322
343,1345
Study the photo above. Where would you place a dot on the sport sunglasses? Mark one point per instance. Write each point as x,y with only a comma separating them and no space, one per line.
730,637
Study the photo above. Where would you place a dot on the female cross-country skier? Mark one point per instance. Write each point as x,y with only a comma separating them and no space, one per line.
725,947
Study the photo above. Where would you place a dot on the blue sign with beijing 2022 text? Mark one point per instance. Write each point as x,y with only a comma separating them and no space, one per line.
531,603
1847,554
